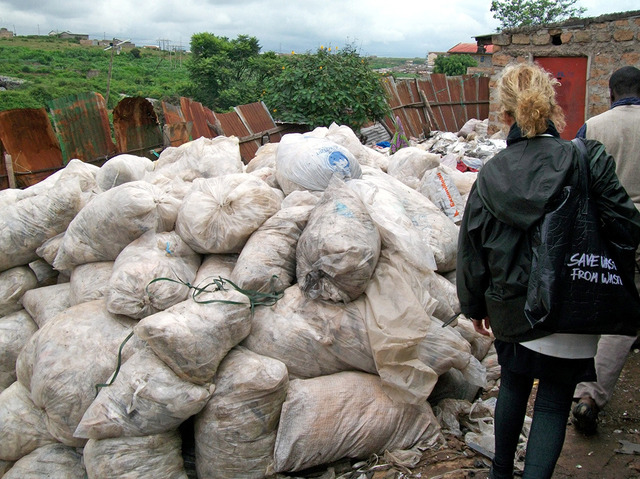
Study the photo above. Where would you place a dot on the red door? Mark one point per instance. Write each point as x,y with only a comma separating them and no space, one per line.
571,72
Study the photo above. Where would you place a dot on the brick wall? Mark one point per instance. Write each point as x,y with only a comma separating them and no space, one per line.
609,42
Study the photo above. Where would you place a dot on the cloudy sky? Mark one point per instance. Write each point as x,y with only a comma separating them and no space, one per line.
400,28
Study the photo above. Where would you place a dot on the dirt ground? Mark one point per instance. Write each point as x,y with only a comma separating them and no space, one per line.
612,453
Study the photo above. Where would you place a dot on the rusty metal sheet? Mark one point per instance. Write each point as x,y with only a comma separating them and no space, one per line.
393,98
176,134
470,96
443,101
172,113
483,97
27,135
4,178
82,124
203,118
256,116
232,125
259,122
455,94
426,87
136,127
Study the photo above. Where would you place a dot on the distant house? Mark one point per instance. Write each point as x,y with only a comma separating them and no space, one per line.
480,53
4,33
68,35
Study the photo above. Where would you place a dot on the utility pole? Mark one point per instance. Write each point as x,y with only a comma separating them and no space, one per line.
113,47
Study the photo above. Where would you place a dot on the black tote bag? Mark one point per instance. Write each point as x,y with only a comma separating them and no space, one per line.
580,281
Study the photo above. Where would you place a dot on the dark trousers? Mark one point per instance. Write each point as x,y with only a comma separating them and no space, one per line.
546,437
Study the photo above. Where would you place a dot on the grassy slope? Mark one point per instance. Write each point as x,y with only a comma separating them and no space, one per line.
54,68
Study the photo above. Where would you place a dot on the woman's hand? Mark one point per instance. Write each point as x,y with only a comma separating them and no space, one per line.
482,326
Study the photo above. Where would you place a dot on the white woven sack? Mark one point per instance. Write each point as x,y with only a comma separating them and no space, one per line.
145,398
346,415
439,187
236,431
23,426
219,214
50,460
14,283
201,158
193,338
312,337
90,281
339,248
409,164
15,331
122,169
308,162
114,219
70,354
155,456
46,302
267,262
150,273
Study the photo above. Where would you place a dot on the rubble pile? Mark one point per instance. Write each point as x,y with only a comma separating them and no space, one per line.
195,316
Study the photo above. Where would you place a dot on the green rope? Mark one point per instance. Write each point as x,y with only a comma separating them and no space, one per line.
256,298
115,374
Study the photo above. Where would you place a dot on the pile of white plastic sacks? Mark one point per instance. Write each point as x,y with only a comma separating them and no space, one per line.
291,310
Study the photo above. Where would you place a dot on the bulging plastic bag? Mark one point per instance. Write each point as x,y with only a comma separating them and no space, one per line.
305,162
157,456
439,187
122,169
200,158
236,431
14,283
23,426
145,398
267,262
339,248
15,331
192,338
50,460
150,273
346,415
112,220
219,214
70,354
311,336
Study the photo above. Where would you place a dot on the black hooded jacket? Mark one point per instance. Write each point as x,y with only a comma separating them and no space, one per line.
512,192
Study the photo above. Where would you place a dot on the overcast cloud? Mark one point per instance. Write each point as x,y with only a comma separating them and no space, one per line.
401,28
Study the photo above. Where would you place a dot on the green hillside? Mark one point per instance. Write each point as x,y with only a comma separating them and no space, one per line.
53,68
37,69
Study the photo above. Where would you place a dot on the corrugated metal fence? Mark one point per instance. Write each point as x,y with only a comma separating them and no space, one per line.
437,102
35,142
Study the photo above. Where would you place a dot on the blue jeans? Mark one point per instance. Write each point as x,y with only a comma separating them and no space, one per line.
546,437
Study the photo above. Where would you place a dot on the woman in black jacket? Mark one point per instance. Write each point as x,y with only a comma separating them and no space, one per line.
511,194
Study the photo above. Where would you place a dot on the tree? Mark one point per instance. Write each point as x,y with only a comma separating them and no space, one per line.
224,72
518,13
453,64
320,88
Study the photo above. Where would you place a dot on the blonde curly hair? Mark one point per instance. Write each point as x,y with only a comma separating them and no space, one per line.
527,93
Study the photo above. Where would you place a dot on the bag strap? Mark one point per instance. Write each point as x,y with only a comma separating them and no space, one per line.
583,165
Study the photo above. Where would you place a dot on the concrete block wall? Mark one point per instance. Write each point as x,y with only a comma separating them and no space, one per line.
609,42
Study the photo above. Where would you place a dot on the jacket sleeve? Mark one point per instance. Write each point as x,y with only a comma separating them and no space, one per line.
472,275
619,216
